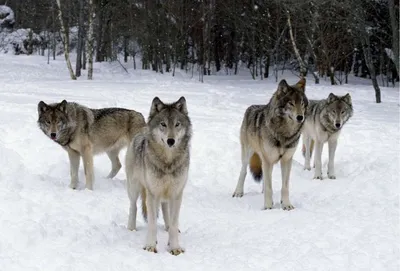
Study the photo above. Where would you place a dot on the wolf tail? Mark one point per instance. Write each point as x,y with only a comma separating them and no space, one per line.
144,207
303,149
255,167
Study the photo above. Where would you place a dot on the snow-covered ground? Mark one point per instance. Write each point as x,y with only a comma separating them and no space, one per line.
351,223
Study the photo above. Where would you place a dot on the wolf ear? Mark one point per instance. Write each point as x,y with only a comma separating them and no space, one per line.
62,106
301,85
42,107
347,98
282,87
181,105
156,106
332,97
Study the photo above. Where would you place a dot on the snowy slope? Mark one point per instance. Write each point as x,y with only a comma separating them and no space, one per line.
351,223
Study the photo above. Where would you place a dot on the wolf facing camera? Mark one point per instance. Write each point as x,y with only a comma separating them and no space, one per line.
269,134
157,166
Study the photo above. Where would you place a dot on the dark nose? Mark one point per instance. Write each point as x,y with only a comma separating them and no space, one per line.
53,135
337,125
170,142
299,118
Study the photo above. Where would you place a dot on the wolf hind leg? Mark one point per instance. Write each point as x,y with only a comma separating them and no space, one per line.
246,153
134,189
115,163
307,151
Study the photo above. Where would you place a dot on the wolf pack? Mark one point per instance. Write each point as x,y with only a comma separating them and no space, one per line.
158,150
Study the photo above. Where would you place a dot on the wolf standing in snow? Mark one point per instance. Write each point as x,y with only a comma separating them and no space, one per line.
270,133
157,165
324,121
83,131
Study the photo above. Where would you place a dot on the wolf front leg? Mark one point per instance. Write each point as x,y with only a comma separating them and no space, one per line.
267,184
87,157
74,159
332,144
151,239
173,232
286,167
318,159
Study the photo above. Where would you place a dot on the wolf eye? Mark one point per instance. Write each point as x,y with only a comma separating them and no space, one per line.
334,111
177,124
163,124
47,122
291,104
342,112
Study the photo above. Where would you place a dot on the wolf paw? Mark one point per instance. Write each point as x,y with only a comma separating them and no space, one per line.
131,227
307,167
331,176
237,194
73,185
150,248
268,206
318,176
287,206
177,251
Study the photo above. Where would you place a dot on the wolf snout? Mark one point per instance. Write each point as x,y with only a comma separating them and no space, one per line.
338,125
300,118
170,142
53,135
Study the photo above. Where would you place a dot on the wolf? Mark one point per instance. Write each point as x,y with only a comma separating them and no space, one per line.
270,133
83,131
157,165
324,122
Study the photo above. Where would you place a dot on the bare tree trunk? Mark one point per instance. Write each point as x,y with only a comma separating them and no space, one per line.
302,63
368,60
90,41
80,40
53,45
65,39
394,22
84,54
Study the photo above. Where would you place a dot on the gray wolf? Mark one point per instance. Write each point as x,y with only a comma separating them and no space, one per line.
157,165
270,133
324,122
83,131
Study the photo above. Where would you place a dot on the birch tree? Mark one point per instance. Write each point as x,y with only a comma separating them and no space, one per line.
65,40
90,41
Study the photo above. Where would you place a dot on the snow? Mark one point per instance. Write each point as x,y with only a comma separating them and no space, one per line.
351,223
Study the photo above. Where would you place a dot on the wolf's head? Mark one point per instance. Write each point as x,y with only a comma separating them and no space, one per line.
169,123
53,118
291,101
338,110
